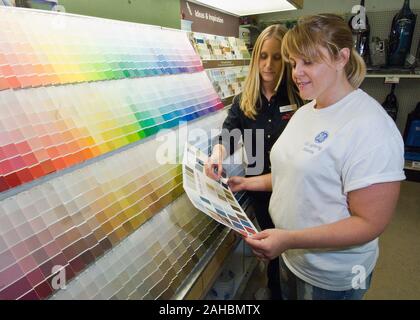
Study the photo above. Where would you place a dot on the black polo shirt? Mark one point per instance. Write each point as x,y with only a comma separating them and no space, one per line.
269,118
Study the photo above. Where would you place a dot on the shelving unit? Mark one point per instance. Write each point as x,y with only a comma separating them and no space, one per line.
254,31
394,73
240,264
225,65
249,26
224,60
412,165
412,170
214,64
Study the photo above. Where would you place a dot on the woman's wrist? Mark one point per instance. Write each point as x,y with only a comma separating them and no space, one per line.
218,152
245,184
291,242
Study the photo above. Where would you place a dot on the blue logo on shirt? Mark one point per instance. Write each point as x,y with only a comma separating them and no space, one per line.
321,137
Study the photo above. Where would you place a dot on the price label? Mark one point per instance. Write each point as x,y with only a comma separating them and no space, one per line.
415,164
392,79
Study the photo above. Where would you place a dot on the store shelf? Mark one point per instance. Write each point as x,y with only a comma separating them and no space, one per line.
227,101
213,64
249,26
412,165
208,269
412,170
393,73
400,76
240,264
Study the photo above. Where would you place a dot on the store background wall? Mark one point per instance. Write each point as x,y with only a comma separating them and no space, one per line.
337,6
380,14
156,12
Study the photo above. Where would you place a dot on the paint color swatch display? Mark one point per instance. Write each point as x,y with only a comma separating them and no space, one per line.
39,49
212,197
147,266
72,220
228,82
43,130
212,47
83,94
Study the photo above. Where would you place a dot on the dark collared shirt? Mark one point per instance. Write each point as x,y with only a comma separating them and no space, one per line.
269,118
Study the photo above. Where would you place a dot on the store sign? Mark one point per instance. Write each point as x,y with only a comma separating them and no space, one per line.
207,16
208,20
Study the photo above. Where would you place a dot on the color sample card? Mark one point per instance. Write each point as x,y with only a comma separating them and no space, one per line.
43,130
229,81
214,198
44,48
212,47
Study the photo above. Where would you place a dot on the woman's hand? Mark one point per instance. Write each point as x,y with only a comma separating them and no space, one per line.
270,243
214,168
237,183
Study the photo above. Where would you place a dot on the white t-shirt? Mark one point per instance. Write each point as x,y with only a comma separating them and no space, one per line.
321,156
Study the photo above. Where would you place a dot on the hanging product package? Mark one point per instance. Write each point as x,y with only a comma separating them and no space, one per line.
401,35
378,52
391,104
412,135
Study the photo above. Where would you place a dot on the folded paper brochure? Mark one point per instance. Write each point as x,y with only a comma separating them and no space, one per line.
214,198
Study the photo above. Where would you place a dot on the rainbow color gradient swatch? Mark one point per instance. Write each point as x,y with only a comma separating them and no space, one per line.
43,130
39,49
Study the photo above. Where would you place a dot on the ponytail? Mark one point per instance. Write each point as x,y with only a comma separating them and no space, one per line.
355,69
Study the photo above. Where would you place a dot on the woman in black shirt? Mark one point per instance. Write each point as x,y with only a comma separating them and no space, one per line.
259,114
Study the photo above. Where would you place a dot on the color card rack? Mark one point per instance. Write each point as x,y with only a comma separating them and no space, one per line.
212,47
225,60
86,99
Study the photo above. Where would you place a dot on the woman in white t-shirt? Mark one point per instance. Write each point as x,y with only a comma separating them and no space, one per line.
336,170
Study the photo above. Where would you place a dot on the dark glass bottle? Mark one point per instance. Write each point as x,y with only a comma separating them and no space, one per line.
361,34
401,35
391,104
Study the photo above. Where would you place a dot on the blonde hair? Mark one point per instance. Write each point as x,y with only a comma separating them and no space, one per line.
251,92
329,31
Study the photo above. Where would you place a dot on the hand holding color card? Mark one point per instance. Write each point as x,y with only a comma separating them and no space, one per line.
214,198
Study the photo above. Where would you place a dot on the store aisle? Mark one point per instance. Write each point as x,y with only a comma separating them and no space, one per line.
397,273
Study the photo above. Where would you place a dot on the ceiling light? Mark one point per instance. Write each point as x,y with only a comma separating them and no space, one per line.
247,7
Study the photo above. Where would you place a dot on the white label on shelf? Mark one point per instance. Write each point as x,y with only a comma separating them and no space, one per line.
392,79
415,164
